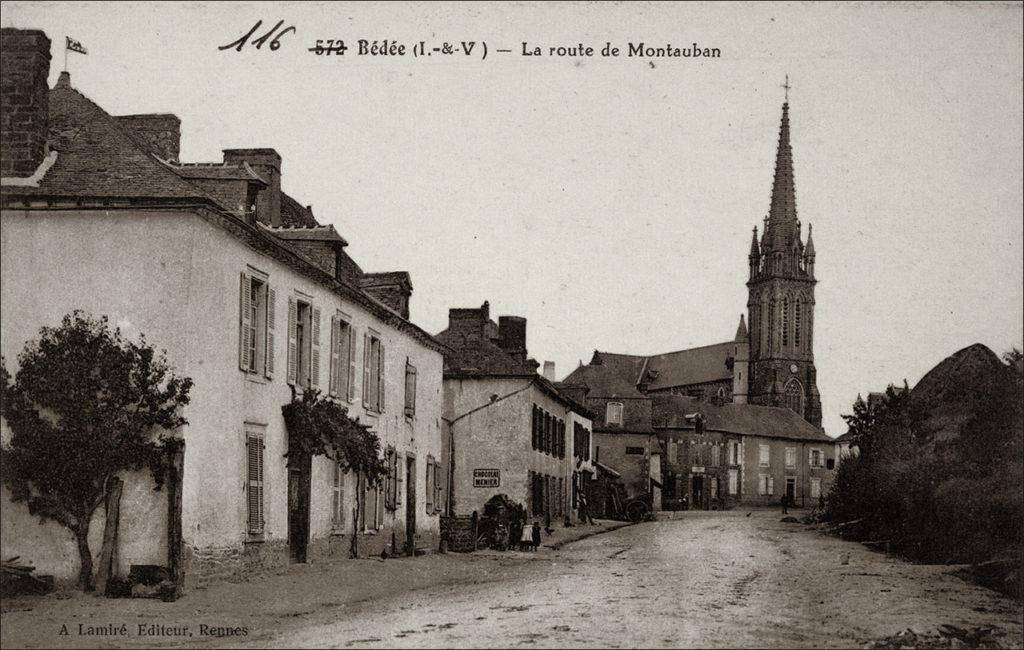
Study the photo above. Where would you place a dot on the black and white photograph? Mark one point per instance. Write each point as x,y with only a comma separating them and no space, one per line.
512,325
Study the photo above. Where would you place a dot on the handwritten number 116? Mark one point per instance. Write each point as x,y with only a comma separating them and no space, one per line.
274,44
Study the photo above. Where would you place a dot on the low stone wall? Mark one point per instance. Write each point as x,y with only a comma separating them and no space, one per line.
203,566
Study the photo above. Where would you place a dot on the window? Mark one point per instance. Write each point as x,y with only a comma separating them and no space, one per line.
256,325
254,473
830,463
735,448
343,358
815,458
394,462
635,451
765,485
793,396
785,322
763,457
815,488
672,452
790,457
535,428
716,452
581,441
371,506
303,343
613,414
338,498
713,484
410,389
796,323
373,372
734,480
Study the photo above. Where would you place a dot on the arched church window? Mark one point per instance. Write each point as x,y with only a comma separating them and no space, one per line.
796,323
793,396
771,324
785,322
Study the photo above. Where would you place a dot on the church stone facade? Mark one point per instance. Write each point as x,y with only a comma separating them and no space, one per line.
781,300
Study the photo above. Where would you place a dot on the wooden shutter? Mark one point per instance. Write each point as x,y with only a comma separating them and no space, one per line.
336,497
332,378
268,353
351,363
438,487
389,484
399,478
429,496
380,376
366,370
244,321
314,357
379,519
254,462
293,311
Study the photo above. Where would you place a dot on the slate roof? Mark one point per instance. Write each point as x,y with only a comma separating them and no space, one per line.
693,366
99,158
614,378
294,213
385,278
305,233
744,419
217,171
480,358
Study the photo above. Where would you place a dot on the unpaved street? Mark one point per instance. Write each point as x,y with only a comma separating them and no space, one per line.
708,579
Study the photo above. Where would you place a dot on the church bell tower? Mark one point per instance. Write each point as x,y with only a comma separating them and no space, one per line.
780,302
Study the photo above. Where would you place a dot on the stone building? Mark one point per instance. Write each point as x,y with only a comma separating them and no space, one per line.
510,430
721,455
250,296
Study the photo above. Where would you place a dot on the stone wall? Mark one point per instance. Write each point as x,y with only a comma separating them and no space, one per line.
459,533
25,111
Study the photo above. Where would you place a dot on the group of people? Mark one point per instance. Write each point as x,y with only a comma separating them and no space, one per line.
522,536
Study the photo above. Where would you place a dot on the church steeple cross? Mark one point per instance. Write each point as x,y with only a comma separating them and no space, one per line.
787,87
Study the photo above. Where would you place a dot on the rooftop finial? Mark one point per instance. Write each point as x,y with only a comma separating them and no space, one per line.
787,87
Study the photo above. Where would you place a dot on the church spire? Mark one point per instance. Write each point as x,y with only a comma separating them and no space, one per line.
741,331
782,221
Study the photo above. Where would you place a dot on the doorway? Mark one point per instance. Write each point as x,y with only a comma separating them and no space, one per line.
697,492
410,507
299,470
791,490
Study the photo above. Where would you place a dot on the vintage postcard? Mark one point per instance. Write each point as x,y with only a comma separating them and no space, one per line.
464,325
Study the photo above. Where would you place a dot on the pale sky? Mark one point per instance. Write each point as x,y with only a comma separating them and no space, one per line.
607,200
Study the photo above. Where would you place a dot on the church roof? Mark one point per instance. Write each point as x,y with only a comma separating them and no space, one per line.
687,367
609,375
670,411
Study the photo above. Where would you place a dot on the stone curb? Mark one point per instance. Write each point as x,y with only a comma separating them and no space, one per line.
604,529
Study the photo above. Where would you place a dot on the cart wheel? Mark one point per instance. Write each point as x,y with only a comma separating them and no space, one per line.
636,511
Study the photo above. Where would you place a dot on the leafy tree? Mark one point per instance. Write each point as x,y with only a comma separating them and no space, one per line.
83,407
322,427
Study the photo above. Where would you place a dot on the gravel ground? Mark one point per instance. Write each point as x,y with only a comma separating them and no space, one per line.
704,580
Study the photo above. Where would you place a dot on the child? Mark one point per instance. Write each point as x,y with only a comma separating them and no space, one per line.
536,535
526,539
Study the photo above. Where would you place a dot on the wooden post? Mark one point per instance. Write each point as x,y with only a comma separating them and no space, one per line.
108,552
175,479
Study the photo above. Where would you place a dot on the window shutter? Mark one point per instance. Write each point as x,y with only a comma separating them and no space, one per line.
332,378
336,497
314,357
244,322
379,519
438,487
351,363
399,478
254,453
293,311
771,485
380,376
429,496
366,370
268,358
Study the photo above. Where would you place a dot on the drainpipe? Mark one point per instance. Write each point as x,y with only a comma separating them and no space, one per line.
451,438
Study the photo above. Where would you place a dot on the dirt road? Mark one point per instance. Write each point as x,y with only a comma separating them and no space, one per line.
709,579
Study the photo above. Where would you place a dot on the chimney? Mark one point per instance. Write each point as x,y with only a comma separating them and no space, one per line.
266,163
512,335
25,100
470,324
549,370
161,131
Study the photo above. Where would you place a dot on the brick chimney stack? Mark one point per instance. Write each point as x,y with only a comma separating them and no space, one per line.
267,163
24,114
162,131
512,335
549,370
